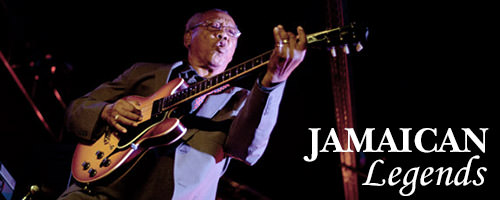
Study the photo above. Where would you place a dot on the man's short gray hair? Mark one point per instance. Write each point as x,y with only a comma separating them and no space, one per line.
195,19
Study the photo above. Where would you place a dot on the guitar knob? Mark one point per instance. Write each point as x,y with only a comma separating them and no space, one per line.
92,172
99,154
85,165
106,162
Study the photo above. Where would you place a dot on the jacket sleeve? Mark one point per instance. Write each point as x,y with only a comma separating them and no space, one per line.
250,131
83,115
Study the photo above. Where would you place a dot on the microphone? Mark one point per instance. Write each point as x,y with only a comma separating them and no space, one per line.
33,190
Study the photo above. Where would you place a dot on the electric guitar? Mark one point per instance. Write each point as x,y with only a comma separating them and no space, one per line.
115,153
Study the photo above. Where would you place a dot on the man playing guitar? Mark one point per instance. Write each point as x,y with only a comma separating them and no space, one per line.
225,123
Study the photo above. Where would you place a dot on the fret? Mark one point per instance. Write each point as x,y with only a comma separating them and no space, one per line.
257,61
200,86
195,88
216,78
206,84
191,91
248,65
167,101
242,67
178,95
220,77
238,69
266,56
164,102
234,71
211,82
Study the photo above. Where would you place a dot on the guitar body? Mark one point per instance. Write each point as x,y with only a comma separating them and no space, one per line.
112,150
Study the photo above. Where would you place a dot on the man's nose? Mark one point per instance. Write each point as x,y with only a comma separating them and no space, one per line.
222,34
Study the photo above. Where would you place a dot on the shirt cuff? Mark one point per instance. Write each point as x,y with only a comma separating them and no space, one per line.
267,89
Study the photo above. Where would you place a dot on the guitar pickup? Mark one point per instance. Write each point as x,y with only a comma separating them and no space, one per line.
157,105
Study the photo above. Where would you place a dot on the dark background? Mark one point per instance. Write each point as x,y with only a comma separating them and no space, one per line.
426,64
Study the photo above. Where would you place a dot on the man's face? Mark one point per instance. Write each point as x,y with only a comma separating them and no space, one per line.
212,42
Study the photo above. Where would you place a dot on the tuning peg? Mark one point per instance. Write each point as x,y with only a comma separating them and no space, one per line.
346,49
359,47
333,52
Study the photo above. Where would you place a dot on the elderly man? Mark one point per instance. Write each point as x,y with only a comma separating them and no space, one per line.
190,168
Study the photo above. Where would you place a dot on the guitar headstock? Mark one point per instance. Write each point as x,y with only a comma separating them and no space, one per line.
340,37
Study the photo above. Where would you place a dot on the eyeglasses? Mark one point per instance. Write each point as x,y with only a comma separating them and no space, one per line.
215,26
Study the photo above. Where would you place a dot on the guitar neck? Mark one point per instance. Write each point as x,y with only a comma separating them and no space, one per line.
209,84
337,36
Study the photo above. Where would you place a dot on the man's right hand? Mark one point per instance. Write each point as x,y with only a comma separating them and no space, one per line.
122,113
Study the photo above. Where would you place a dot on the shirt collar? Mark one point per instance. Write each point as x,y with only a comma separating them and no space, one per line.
187,73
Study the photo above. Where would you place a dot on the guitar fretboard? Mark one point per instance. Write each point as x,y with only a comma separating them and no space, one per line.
206,85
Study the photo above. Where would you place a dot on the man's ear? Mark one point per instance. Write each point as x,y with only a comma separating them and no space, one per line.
187,39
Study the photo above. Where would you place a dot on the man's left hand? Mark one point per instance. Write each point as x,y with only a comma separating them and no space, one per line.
289,52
